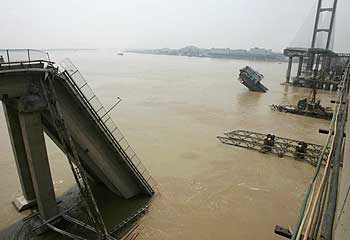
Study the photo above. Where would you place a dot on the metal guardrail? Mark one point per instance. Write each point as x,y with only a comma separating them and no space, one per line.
10,56
328,220
111,129
317,215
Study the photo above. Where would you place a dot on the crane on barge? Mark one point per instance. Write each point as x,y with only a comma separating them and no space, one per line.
310,107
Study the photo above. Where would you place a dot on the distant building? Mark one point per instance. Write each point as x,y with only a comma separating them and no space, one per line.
260,51
220,51
239,51
193,51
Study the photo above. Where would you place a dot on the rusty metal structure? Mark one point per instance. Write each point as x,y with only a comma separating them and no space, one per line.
268,143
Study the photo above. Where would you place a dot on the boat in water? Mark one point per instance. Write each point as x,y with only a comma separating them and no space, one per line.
310,107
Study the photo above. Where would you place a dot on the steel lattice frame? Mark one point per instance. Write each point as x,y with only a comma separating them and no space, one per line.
283,147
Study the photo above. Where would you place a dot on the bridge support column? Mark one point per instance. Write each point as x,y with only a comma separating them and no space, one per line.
14,127
310,63
289,69
300,66
35,147
317,66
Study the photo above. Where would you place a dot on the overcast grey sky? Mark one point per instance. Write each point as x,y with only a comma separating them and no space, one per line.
159,23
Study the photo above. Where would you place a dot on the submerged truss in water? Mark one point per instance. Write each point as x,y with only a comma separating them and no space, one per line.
268,143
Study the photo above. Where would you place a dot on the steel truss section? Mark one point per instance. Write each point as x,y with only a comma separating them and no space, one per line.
282,147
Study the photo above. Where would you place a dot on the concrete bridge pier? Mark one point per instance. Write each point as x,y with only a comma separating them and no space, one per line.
14,128
317,66
289,69
34,142
300,66
28,144
310,63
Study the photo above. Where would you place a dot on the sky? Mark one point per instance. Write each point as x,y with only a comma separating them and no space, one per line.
274,24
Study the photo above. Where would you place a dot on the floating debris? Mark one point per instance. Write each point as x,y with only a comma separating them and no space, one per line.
252,79
269,143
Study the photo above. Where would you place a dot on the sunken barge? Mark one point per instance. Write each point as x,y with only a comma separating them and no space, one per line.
252,79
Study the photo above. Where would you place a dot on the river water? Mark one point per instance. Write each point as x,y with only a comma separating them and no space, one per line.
172,110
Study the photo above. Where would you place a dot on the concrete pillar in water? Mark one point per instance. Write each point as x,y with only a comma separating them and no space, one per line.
289,69
310,62
14,127
35,147
317,66
301,60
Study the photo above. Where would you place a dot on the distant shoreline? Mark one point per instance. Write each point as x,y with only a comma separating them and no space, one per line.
258,59
69,49
254,54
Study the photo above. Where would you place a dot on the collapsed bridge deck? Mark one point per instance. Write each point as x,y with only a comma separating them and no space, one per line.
40,97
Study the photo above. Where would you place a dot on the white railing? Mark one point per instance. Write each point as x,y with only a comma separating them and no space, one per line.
103,118
22,56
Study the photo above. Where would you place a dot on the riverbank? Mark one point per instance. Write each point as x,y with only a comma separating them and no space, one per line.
253,54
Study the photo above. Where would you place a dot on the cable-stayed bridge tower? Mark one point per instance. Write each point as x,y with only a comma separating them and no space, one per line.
323,11
318,66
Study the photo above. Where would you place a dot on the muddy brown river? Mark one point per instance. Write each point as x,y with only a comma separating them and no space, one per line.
172,110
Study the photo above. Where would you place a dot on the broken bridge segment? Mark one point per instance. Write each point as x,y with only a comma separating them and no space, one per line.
94,144
112,147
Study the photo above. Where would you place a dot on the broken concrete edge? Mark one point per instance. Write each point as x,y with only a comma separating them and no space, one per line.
21,204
